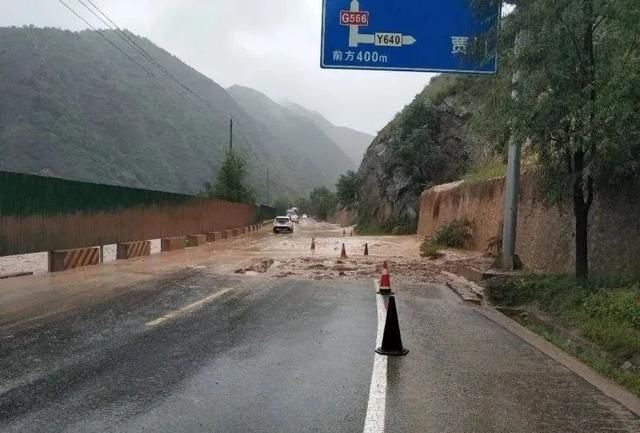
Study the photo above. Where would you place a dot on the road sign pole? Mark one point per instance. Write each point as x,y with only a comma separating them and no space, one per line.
512,189
508,259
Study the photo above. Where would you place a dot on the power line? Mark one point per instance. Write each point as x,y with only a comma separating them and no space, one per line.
106,38
117,30
124,35
131,42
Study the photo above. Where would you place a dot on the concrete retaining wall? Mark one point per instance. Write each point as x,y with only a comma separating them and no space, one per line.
546,236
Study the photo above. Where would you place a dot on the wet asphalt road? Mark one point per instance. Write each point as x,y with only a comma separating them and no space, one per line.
198,350
285,356
275,356
465,373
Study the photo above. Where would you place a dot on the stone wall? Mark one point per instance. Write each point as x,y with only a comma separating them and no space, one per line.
546,236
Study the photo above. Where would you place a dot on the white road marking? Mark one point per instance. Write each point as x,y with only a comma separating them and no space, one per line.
190,307
374,420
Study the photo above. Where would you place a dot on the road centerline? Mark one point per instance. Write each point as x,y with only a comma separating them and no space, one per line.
173,314
375,417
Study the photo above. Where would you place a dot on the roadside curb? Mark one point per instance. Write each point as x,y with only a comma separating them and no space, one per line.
465,289
604,385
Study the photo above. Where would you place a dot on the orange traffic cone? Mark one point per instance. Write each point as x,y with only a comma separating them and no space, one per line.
391,339
343,253
313,244
366,249
385,281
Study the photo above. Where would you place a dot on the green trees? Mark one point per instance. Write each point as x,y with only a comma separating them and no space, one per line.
346,189
281,204
303,205
418,151
230,181
578,98
322,202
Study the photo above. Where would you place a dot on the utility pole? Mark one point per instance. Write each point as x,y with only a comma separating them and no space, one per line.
508,259
268,198
231,135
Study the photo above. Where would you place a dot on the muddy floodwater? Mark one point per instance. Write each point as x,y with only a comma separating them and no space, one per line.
290,255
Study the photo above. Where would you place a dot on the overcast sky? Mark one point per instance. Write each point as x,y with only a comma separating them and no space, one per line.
270,45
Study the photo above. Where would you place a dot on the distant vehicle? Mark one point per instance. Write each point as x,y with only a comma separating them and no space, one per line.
293,214
304,216
282,224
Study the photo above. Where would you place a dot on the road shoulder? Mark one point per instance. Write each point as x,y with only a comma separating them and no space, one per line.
606,386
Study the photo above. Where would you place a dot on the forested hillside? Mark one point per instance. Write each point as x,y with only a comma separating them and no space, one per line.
353,143
73,106
430,141
307,148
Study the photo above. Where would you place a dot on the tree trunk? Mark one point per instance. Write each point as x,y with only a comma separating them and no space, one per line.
583,182
582,241
581,206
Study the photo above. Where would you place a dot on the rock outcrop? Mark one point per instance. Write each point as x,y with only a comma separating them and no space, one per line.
429,142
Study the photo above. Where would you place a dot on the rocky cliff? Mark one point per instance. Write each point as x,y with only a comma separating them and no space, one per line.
429,142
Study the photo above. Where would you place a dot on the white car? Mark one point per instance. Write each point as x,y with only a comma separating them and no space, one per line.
282,224
304,216
294,218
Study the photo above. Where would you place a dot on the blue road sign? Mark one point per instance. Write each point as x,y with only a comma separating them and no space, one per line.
406,35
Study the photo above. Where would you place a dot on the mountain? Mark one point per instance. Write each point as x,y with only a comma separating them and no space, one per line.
303,138
75,107
353,143
430,141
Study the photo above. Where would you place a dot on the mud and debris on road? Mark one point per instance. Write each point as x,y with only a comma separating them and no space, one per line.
259,266
259,255
290,255
293,257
